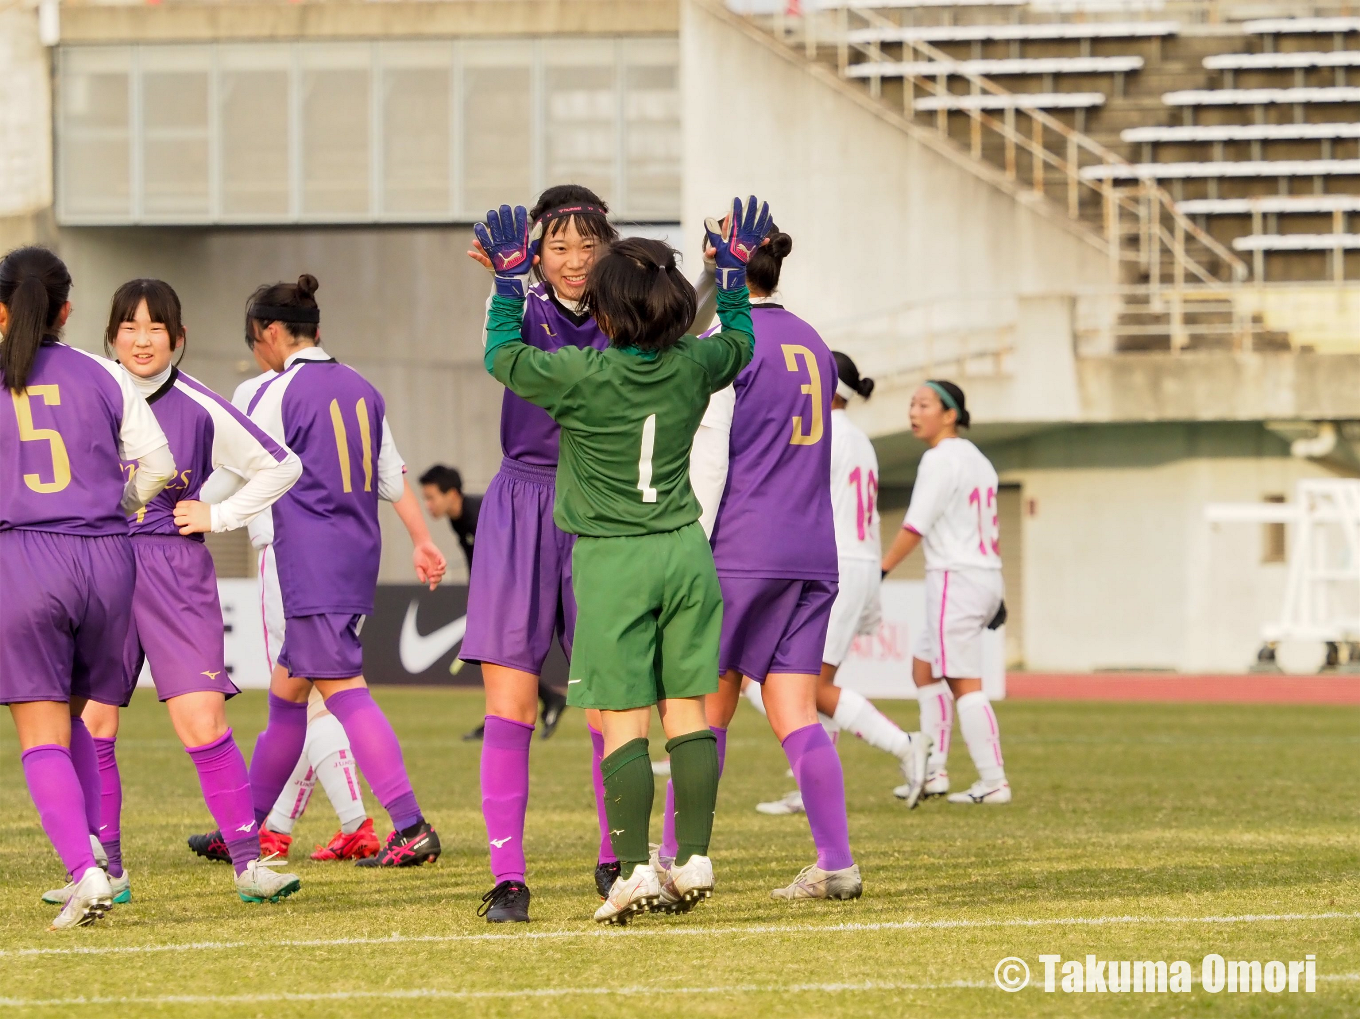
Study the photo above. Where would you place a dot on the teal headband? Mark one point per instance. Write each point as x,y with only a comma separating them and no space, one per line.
944,396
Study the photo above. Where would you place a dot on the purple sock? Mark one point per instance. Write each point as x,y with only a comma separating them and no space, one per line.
505,794
56,792
276,754
817,769
606,854
226,789
377,753
669,845
85,759
110,802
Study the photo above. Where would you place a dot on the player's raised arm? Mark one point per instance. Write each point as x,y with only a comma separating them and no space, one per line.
734,241
536,375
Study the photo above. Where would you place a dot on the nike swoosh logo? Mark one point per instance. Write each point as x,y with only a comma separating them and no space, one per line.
420,651
500,842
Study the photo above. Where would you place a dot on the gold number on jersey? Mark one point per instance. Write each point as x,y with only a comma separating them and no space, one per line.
813,388
342,443
61,462
645,460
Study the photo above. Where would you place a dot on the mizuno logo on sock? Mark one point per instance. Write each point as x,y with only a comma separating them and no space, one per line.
246,827
500,842
615,831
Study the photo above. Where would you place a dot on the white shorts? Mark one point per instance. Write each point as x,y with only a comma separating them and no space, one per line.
857,609
959,605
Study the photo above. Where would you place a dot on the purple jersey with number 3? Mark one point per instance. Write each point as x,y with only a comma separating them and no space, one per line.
59,447
327,542
775,517
528,434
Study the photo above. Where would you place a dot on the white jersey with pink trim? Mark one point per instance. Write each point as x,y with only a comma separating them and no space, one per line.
954,508
854,490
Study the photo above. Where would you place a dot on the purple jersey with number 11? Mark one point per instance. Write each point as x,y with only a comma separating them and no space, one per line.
327,542
775,517
528,434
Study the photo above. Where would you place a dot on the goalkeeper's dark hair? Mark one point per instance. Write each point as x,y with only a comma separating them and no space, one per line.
639,296
589,223
964,418
762,272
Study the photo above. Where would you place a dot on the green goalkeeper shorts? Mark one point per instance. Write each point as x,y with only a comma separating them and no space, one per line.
648,620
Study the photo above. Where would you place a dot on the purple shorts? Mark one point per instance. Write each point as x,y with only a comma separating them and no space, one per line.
176,618
324,646
772,625
67,606
519,593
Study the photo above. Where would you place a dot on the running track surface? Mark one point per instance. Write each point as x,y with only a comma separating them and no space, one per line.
1241,689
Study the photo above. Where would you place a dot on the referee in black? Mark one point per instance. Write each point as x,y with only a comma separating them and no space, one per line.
444,498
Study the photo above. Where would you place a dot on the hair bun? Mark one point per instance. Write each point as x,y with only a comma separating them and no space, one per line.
865,387
780,244
307,285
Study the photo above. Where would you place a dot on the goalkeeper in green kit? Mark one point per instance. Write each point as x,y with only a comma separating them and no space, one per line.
649,608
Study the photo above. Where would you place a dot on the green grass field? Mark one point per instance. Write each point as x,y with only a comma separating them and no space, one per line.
1160,832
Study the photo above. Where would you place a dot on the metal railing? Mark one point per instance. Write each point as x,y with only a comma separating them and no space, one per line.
1146,237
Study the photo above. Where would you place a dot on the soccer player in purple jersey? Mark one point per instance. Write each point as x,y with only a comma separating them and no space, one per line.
519,592
763,457
66,564
176,616
327,546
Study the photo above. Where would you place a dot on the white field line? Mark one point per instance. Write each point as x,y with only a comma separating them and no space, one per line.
814,929
545,992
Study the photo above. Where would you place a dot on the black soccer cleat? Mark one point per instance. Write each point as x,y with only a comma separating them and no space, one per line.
472,735
212,846
410,848
552,713
508,902
605,876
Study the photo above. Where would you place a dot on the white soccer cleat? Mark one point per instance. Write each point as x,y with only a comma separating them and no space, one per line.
789,803
258,883
913,763
101,857
636,893
659,868
91,897
936,785
814,883
685,887
121,885
984,792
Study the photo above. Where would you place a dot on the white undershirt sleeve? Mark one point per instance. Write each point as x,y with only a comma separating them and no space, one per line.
155,469
708,458
391,467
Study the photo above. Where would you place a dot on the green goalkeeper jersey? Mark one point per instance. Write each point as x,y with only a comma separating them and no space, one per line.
628,416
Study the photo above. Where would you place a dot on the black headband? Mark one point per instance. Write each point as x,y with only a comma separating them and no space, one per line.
584,209
283,313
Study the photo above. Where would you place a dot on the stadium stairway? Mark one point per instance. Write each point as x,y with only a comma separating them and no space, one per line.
1197,178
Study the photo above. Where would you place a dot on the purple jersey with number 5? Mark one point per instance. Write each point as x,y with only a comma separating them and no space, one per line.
528,434
60,447
775,517
327,542
192,416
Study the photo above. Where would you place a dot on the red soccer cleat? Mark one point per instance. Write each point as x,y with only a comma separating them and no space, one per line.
359,845
274,843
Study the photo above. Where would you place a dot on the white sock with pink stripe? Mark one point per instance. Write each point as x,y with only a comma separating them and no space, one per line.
333,762
977,722
297,791
937,721
857,715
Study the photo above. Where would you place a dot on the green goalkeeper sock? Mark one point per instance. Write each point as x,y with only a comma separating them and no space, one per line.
628,792
694,777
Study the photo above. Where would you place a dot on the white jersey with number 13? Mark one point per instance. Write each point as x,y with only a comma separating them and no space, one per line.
954,508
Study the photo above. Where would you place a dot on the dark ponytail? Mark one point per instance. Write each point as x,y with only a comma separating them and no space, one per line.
956,394
763,270
639,296
848,373
34,286
292,304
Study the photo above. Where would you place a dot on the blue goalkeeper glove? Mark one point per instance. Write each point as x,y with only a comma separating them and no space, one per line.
736,239
506,240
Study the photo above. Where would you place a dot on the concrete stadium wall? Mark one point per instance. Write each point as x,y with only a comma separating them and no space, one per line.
403,305
25,116
879,218
1120,568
